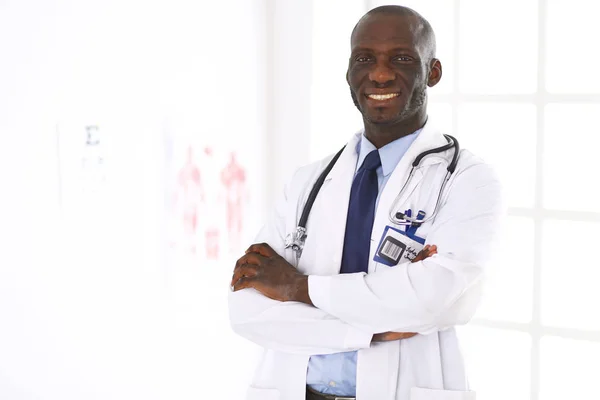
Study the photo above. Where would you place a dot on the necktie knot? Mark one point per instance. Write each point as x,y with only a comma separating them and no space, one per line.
372,161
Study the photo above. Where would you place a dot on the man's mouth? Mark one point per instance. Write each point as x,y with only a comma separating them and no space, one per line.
382,97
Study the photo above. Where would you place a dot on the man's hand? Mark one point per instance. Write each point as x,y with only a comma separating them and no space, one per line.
263,269
390,336
427,251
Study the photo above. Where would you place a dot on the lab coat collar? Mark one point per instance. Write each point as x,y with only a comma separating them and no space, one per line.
429,138
390,154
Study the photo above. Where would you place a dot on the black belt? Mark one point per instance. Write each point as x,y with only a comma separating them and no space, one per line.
312,394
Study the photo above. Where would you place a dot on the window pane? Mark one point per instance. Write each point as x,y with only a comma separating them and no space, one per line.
570,24
571,143
569,369
333,116
440,14
514,258
570,275
493,57
498,362
503,135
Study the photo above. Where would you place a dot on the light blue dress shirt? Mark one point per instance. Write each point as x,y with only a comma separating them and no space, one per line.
336,373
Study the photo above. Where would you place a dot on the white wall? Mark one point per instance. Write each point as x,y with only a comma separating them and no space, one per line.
289,82
84,309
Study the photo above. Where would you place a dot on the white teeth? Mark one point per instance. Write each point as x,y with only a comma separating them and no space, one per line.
382,96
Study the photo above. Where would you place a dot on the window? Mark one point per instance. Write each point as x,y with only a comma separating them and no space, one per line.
520,90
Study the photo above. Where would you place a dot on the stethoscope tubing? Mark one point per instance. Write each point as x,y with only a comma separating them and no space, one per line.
298,237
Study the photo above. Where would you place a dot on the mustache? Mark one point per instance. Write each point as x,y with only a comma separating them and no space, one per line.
417,101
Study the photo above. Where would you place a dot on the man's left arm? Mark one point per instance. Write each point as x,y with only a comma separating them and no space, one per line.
433,294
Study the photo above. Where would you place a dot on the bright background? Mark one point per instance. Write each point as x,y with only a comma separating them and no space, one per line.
95,304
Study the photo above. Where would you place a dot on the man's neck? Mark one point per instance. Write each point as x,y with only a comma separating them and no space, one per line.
382,134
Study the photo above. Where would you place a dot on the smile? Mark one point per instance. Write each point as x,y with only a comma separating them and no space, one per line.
382,97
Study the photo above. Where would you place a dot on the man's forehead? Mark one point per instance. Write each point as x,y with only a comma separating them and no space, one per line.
387,27
389,31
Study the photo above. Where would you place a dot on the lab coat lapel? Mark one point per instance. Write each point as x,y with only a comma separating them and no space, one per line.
333,201
429,138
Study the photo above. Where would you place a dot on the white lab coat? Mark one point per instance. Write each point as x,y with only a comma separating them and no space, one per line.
429,297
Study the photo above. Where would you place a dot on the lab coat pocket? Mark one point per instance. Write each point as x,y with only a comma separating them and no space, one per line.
254,393
417,393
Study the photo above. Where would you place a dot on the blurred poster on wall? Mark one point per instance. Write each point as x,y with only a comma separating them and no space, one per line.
212,192
210,207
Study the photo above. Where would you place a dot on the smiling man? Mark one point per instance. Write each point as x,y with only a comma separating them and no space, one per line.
391,65
359,298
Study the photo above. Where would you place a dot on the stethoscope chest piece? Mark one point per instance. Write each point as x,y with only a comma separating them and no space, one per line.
296,239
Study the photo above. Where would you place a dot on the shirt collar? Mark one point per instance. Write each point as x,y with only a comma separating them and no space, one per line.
390,154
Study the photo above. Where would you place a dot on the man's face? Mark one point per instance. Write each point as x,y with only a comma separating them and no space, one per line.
388,68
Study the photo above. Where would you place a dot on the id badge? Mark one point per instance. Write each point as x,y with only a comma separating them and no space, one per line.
395,247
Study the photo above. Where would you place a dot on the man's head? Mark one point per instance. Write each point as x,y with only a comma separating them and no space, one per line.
391,64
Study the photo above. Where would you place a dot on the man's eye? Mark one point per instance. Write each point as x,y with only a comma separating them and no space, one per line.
362,59
402,58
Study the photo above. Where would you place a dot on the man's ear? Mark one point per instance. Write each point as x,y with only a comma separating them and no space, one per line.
435,72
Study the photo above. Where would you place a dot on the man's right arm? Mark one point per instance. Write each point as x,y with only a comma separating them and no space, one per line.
294,327
299,327
291,327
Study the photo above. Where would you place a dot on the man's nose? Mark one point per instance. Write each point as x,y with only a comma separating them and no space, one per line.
381,74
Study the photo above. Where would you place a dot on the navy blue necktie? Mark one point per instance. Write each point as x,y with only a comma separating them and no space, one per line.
361,213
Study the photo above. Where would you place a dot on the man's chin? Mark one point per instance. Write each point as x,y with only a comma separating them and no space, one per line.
381,119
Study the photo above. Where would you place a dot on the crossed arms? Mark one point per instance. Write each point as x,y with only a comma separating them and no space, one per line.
277,307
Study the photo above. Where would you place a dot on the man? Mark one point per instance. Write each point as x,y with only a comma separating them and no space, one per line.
356,315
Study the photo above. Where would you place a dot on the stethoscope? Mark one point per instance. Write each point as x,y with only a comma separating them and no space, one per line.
296,239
